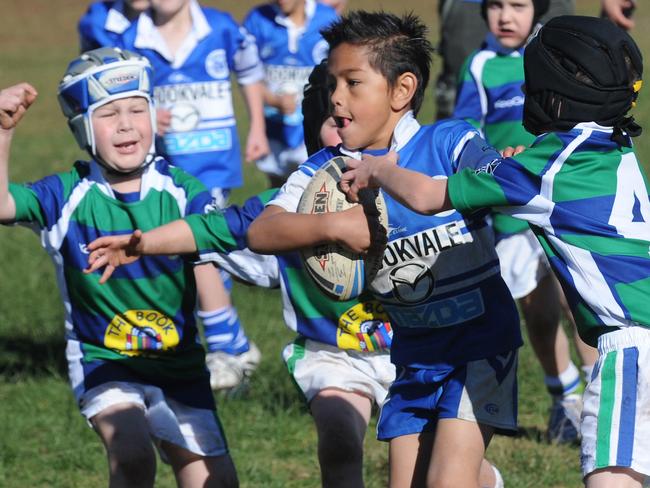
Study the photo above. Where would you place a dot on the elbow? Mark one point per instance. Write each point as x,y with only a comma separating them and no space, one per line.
254,239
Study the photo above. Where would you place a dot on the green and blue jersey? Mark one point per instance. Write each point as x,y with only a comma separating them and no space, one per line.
586,199
491,99
139,326
360,324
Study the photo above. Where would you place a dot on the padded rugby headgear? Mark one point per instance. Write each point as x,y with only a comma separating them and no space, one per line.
540,7
99,77
315,107
581,69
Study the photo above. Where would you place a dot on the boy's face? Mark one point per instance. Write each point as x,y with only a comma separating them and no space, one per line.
511,21
168,8
138,5
329,135
123,132
361,99
288,7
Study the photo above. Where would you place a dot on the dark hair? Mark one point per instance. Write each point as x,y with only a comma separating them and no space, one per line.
315,107
540,7
396,45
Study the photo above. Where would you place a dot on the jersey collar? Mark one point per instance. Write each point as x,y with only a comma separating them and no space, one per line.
148,36
294,31
116,21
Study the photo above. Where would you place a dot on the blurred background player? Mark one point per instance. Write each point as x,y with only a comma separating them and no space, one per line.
136,368
287,34
462,31
338,5
105,21
193,51
490,98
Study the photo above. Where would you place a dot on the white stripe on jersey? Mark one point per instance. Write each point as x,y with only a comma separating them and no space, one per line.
476,69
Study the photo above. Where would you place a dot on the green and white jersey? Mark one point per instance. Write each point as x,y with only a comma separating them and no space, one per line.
140,325
586,199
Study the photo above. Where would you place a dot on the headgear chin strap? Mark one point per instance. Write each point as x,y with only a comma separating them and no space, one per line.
99,77
581,69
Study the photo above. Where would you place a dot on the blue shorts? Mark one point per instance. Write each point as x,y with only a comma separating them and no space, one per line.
482,391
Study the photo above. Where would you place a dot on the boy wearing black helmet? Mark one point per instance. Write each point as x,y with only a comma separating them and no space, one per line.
581,189
490,97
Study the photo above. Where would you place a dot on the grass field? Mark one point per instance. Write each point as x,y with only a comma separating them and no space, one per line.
44,442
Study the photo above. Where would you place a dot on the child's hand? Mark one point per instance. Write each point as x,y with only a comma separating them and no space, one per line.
510,151
163,121
14,102
111,252
362,174
257,145
287,103
350,229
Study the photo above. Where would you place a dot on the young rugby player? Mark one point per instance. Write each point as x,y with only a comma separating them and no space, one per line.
194,50
490,98
584,194
456,329
136,368
290,45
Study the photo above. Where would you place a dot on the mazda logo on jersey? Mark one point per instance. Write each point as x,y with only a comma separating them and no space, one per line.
412,283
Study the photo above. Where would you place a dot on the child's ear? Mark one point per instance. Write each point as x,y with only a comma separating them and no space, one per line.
403,91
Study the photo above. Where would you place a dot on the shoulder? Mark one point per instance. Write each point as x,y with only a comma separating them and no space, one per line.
261,13
97,11
218,19
318,159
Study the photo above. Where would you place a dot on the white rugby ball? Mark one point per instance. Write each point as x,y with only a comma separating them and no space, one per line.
337,271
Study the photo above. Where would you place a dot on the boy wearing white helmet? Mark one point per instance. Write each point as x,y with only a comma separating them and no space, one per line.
136,368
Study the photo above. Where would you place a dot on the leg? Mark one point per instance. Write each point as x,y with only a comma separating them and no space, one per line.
614,477
195,471
131,458
458,452
588,355
341,419
408,458
541,311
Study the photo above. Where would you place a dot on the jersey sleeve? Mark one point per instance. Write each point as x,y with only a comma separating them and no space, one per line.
42,203
198,198
468,98
289,195
501,183
246,61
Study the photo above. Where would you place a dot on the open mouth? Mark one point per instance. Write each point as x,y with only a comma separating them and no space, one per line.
126,147
342,122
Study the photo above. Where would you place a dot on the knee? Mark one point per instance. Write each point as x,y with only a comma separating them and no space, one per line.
340,445
134,461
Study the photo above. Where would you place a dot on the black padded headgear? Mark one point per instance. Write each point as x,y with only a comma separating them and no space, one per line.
315,107
581,69
540,6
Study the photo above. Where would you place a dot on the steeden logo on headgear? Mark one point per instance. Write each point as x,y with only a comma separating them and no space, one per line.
118,77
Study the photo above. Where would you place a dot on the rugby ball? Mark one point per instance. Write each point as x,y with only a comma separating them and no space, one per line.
337,271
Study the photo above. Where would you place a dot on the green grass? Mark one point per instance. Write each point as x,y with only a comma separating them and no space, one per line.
44,442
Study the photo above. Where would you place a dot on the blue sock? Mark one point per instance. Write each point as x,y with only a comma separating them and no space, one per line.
223,332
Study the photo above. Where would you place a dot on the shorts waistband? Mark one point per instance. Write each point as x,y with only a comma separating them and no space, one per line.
622,338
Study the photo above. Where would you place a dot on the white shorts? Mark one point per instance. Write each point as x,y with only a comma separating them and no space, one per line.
282,160
616,414
523,263
195,429
316,366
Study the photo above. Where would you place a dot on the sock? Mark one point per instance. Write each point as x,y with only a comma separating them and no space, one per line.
567,382
587,371
223,331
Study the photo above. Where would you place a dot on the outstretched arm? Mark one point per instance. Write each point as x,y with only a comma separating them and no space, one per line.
111,252
277,230
14,102
417,191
